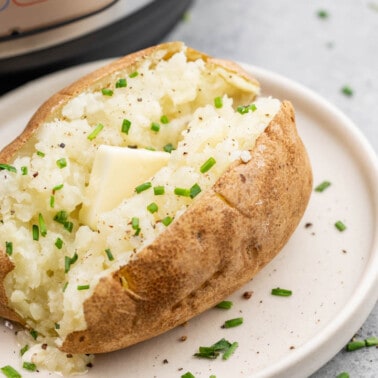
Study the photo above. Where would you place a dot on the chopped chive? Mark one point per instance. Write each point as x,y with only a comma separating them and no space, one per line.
168,147
134,74
155,126
34,334
159,190
68,226
24,171
340,226
135,225
347,91
142,187
65,287
83,287
152,207
68,261
24,349
281,292
207,165
195,190
149,148
8,248
188,374
57,326
164,119
95,131
354,345
218,102
8,167
35,232
61,163
213,351
344,374
322,13
109,254
245,109
230,351
167,221
61,217
29,366
10,372
59,243
126,124
371,341
322,186
52,202
42,225
182,192
107,92
57,187
41,154
121,83
232,323
224,305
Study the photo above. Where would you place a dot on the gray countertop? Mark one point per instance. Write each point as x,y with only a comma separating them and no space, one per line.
325,54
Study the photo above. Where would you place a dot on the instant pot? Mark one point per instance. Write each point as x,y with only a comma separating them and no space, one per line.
41,36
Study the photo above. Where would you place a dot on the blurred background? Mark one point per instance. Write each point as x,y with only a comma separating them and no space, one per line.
330,47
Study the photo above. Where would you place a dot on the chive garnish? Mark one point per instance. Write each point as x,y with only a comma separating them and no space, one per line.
57,187
107,92
68,226
34,334
65,287
142,187
188,374
135,225
371,341
59,243
61,217
24,349
83,287
10,372
8,167
182,192
29,366
230,351
344,374
164,119
340,226
109,254
35,232
8,248
57,326
95,131
41,154
121,83
155,126
206,166
322,186
68,261
152,207
42,225
281,292
24,171
52,202
322,13
354,345
218,102
168,147
133,74
159,190
61,163
195,190
224,305
126,124
245,109
232,323
167,221
347,91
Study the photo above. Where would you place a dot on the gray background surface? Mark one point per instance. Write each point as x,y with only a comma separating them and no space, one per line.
324,54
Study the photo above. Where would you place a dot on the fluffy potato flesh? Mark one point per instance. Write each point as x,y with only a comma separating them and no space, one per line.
64,278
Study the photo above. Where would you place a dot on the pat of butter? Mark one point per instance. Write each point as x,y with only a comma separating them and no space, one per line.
115,173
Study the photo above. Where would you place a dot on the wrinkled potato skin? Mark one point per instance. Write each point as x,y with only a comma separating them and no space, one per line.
220,243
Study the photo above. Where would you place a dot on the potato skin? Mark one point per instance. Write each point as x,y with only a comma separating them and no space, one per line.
227,235
216,246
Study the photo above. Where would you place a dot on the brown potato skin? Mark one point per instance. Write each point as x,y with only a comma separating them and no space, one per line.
227,235
216,246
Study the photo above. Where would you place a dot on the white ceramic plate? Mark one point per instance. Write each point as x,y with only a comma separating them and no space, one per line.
333,275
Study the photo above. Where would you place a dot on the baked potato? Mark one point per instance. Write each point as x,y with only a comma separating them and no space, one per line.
142,195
